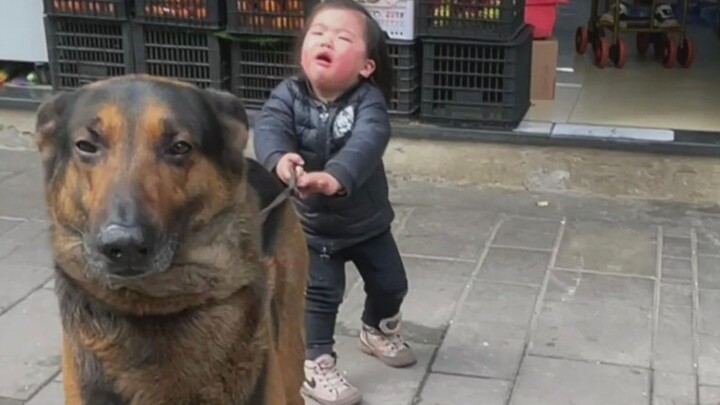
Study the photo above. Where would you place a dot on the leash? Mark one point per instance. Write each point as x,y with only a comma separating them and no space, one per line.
286,193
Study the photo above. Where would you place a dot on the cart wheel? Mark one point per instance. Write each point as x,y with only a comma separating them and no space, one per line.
582,39
643,42
670,53
619,53
686,53
602,53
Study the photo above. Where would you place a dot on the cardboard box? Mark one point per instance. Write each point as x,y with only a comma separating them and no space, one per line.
544,69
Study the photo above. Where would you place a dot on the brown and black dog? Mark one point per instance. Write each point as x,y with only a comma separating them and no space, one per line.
173,288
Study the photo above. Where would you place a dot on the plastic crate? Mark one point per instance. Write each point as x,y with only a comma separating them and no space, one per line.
259,65
499,20
116,10
208,14
195,57
405,98
396,17
268,17
476,83
83,51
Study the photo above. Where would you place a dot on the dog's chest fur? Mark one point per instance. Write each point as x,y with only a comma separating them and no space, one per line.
200,357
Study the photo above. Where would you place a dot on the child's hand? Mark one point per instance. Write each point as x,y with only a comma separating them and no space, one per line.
318,182
287,163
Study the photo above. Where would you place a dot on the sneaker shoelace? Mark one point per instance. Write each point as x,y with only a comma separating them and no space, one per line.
332,376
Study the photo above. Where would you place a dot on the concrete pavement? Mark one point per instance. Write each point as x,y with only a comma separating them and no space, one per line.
516,298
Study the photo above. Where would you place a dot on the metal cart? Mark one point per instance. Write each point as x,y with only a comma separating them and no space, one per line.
615,49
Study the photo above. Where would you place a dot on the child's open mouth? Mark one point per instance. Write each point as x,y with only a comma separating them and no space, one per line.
323,59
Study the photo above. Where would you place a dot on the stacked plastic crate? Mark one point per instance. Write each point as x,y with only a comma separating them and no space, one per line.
181,39
88,40
397,19
476,62
264,35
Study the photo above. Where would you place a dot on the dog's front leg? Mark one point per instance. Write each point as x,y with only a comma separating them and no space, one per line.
71,377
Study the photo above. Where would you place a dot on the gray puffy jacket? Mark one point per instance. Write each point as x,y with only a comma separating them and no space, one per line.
346,139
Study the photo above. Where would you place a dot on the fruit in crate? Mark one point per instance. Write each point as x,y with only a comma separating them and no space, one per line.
445,11
84,7
180,9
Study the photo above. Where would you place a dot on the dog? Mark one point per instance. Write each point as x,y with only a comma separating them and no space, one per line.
175,286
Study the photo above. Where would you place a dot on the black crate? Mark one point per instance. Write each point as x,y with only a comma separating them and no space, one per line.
405,98
207,14
471,19
83,51
268,17
196,57
117,10
259,65
475,82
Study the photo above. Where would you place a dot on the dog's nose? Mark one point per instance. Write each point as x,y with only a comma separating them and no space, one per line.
124,246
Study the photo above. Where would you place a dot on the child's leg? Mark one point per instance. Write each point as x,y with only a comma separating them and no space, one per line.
326,286
386,285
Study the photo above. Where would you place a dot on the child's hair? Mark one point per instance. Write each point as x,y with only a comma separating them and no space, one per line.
375,37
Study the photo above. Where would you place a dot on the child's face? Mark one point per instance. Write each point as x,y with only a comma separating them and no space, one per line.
334,52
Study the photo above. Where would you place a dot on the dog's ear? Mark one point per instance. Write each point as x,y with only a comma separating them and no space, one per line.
50,132
236,127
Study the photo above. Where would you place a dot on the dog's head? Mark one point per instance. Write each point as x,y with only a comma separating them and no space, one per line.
132,165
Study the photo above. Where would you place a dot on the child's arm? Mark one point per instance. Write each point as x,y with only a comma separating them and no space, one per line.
357,159
273,132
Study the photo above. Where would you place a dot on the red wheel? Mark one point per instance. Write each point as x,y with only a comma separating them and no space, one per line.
643,42
670,53
619,53
582,39
602,53
686,53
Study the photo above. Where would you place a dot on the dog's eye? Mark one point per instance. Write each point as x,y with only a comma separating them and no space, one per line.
180,148
86,147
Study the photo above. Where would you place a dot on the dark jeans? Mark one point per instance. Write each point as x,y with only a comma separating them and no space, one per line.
381,268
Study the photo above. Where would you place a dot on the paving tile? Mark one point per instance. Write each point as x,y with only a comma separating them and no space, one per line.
514,265
435,286
609,247
708,243
23,195
35,252
18,281
434,231
51,394
709,360
709,395
489,303
443,389
17,161
673,389
596,318
677,247
528,233
709,322
487,338
673,349
563,382
709,271
680,269
6,225
30,345
379,383
24,233
10,401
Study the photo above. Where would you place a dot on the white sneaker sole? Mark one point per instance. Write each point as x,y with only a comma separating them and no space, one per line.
353,400
396,362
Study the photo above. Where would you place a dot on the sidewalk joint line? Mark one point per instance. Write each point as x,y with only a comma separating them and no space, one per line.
695,313
459,303
656,307
538,305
